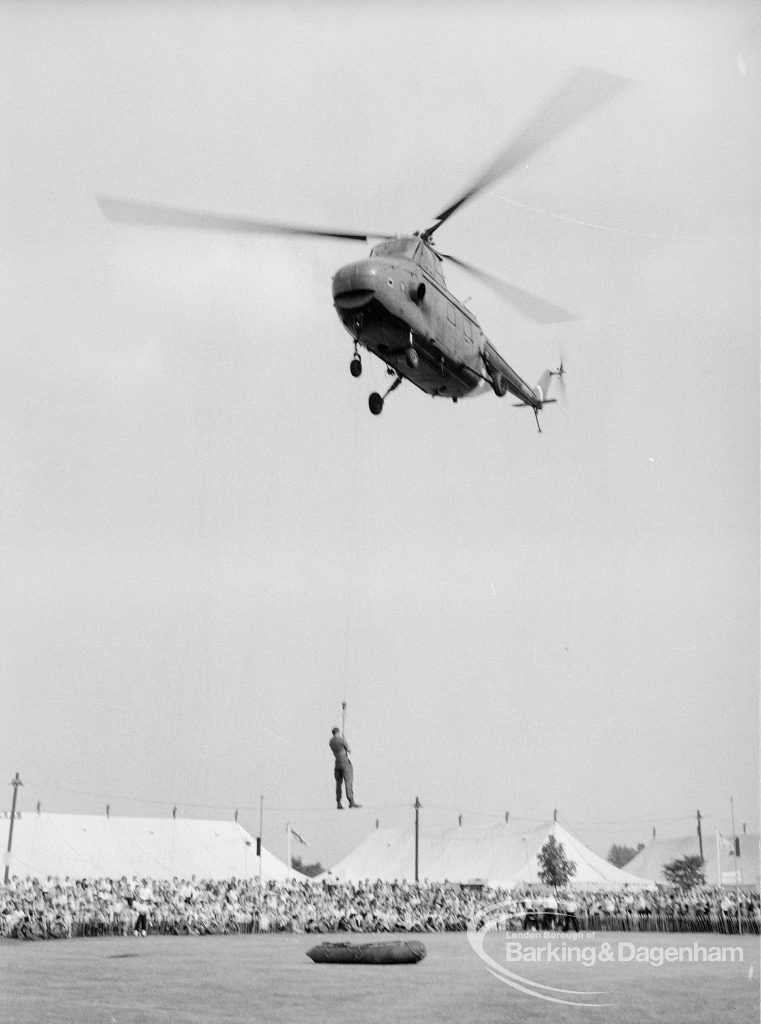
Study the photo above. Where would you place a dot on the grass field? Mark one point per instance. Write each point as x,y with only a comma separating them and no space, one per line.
268,978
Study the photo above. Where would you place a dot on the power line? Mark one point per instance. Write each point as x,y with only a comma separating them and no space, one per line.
455,810
634,821
169,803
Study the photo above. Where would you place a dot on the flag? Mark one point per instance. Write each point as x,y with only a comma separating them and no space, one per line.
727,844
301,839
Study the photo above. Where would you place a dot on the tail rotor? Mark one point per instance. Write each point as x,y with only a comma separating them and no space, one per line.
560,374
542,390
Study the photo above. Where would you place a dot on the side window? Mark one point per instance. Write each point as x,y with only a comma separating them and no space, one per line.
450,313
468,330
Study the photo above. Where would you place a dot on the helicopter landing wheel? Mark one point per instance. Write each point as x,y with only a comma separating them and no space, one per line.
412,358
499,384
376,403
356,366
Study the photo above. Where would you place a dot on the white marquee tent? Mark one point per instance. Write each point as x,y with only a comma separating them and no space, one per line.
721,866
97,846
505,856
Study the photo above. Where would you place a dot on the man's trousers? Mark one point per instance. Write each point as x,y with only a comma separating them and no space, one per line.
346,776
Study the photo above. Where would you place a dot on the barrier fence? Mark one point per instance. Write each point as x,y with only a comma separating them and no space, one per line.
31,927
30,910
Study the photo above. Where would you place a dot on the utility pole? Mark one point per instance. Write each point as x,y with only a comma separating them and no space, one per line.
15,783
700,838
418,805
259,840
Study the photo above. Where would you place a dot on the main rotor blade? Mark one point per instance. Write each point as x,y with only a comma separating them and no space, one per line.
128,212
532,306
583,91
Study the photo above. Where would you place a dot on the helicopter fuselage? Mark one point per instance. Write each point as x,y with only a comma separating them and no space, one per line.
396,305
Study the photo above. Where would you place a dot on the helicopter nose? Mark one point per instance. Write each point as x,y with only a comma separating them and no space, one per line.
354,285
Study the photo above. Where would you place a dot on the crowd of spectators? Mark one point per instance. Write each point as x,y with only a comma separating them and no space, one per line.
34,908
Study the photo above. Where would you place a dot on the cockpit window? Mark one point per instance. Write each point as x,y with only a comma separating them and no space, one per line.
396,247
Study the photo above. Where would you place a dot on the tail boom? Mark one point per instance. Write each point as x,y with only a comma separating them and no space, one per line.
504,379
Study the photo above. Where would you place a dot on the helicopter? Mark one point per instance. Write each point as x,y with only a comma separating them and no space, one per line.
395,303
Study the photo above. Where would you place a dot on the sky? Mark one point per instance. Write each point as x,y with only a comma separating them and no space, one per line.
208,543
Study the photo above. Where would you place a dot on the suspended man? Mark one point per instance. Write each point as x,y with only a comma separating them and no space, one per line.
344,770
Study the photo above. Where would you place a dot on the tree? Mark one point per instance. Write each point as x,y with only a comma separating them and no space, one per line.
620,855
307,869
685,872
554,867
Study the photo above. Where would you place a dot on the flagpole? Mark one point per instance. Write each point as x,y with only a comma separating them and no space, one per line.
528,862
737,872
736,838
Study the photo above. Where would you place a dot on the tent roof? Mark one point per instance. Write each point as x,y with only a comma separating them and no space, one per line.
503,856
96,846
